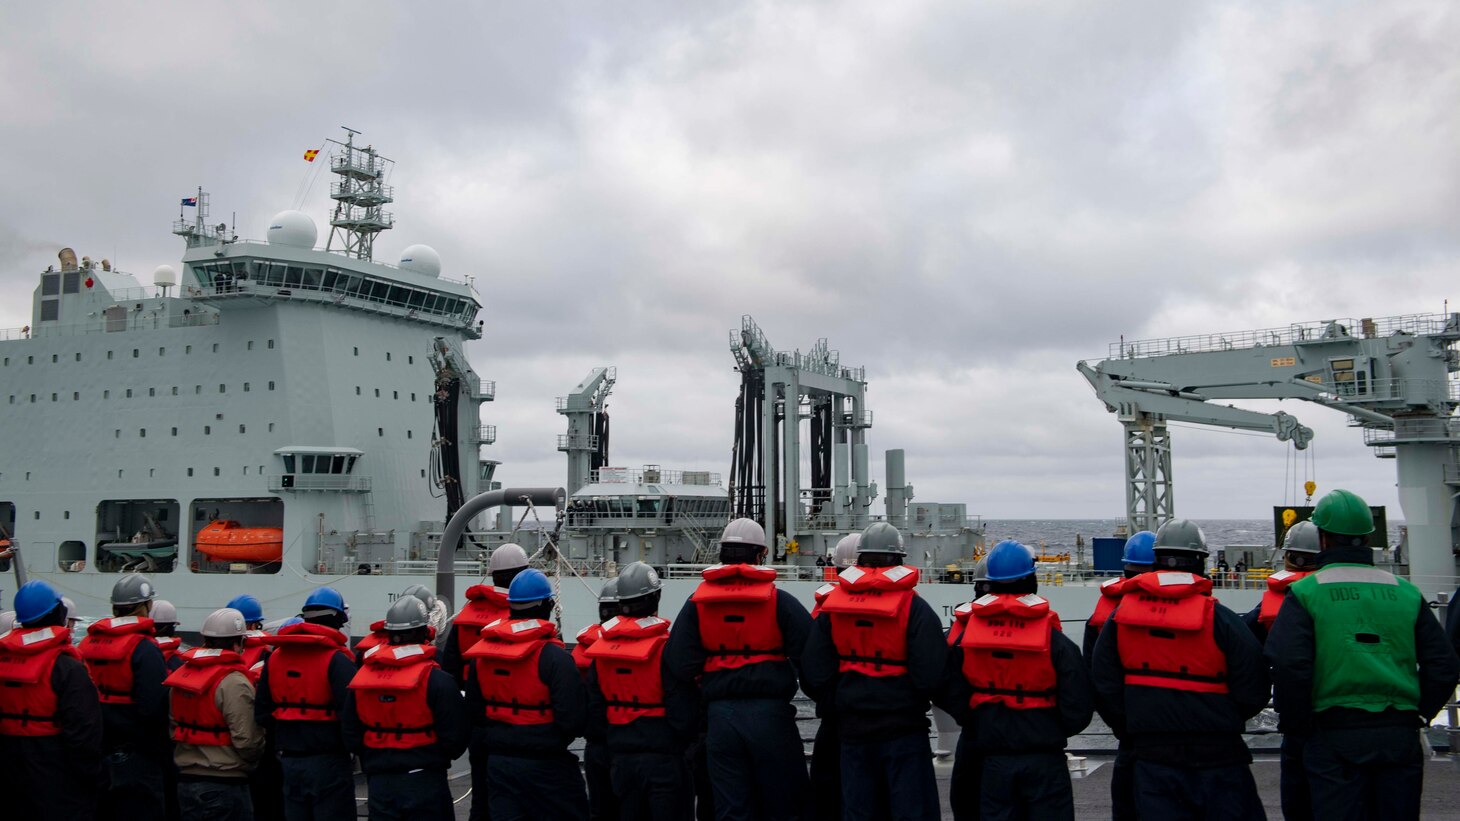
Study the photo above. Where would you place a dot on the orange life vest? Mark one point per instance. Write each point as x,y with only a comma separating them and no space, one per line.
255,650
819,596
107,651
378,637
869,612
628,662
484,605
298,671
170,646
506,661
961,614
1165,623
390,696
1006,651
736,605
586,637
27,701
1272,598
195,714
1110,592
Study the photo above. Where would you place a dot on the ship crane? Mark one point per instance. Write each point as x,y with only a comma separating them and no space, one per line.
1392,376
586,441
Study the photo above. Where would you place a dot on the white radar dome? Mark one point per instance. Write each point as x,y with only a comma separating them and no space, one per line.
294,229
422,259
165,276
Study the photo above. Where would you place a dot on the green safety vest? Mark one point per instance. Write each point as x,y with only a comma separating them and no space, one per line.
1363,628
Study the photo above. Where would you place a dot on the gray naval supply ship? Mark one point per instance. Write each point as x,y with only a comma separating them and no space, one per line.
275,416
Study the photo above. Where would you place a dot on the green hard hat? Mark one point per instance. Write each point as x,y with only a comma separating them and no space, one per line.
1344,513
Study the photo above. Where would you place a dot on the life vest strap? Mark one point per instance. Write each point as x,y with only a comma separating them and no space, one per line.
637,705
28,717
747,651
1016,692
877,660
427,729
203,728
515,705
1180,675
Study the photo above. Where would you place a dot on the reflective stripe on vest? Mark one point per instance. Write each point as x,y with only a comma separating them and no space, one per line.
1165,622
1006,656
28,703
195,714
736,605
506,671
630,676
107,651
390,697
869,613
1364,654
298,672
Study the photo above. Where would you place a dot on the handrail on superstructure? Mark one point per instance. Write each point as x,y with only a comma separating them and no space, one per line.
1296,334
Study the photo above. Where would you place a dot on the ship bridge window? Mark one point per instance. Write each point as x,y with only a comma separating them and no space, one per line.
71,556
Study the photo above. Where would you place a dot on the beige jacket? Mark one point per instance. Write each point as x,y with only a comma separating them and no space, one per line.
234,698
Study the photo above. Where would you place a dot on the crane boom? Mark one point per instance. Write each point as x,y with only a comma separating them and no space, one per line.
1391,376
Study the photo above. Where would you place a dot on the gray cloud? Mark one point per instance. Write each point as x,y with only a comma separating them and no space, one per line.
964,198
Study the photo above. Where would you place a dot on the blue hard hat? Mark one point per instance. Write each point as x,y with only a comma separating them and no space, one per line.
529,586
1140,548
1009,560
33,600
248,606
325,597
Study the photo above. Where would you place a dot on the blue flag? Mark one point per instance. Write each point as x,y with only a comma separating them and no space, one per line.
191,201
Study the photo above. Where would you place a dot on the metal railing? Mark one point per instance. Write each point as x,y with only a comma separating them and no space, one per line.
487,389
484,434
653,476
319,481
1295,334
577,441
147,321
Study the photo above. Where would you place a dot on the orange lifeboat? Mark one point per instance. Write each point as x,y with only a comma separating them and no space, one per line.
229,541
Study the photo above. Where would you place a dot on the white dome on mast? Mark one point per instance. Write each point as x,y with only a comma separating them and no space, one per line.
422,259
294,229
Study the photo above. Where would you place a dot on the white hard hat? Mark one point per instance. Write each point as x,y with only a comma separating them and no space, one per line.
507,557
224,624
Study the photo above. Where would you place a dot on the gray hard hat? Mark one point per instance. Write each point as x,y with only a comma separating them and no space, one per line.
407,613
507,557
70,608
7,621
422,593
1302,538
981,569
743,532
637,579
133,588
609,593
881,537
224,624
163,612
844,555
1181,535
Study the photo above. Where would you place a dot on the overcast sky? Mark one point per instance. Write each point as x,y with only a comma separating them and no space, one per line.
966,198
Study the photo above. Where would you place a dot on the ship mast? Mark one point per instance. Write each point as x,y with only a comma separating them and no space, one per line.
358,196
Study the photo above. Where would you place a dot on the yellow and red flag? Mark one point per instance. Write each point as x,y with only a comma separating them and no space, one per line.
311,154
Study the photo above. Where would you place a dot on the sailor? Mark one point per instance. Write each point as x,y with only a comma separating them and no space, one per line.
1300,557
267,780
128,670
1177,680
217,742
528,703
826,749
50,717
164,632
380,635
597,766
650,716
301,695
485,603
1359,664
406,720
1019,689
741,639
255,642
1137,558
879,648
966,780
